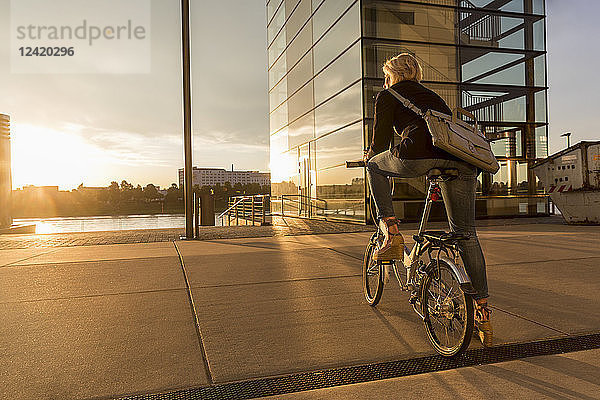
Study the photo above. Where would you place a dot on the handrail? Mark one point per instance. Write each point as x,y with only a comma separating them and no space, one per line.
248,208
230,208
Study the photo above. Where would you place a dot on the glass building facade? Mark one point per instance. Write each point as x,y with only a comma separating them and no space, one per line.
325,59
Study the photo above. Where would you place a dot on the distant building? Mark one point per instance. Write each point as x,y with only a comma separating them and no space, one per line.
213,176
5,173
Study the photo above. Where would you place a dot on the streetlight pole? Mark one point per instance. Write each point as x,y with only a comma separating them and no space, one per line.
187,120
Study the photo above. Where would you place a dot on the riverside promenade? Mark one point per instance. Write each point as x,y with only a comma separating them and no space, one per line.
255,311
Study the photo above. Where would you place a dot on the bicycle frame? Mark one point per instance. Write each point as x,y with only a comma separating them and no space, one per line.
412,257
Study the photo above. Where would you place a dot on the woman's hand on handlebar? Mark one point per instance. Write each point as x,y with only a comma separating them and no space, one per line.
368,154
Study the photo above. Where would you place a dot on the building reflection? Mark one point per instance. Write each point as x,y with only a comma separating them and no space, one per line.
325,59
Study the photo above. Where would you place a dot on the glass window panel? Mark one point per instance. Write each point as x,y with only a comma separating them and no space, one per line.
522,181
299,46
513,41
277,47
371,88
475,3
344,32
438,62
514,6
540,71
499,147
518,144
410,22
500,181
325,16
339,111
540,107
539,33
338,75
272,8
301,130
335,149
316,4
300,15
511,76
539,7
343,192
487,62
541,142
277,72
278,118
514,110
276,24
278,95
290,6
279,142
301,102
284,173
300,74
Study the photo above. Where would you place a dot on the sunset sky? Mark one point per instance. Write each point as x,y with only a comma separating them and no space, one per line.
81,128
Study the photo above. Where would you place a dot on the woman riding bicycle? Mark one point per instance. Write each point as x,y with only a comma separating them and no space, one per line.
414,156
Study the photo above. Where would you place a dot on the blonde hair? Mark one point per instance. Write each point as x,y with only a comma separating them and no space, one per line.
403,67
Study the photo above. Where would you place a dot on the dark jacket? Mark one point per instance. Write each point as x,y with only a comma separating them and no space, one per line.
414,141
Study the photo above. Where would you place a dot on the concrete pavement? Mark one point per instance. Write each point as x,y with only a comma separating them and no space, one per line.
108,321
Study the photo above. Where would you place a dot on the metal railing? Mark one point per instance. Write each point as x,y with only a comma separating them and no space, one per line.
248,210
480,26
491,111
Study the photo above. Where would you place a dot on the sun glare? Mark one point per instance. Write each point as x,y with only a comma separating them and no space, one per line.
42,156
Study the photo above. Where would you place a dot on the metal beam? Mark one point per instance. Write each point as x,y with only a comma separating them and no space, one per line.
187,120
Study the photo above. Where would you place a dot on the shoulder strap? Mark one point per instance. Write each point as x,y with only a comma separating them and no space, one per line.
407,103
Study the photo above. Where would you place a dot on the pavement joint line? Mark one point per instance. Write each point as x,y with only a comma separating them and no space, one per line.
12,264
206,364
542,261
530,320
285,239
356,292
277,281
245,245
88,296
345,254
334,377
16,263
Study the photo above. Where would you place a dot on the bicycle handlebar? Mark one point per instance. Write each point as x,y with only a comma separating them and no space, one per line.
355,164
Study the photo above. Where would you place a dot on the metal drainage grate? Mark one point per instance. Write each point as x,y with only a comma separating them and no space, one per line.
371,372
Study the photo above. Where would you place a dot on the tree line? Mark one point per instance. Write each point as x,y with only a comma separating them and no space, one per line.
118,199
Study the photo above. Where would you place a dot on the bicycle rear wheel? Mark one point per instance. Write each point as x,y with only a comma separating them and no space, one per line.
372,274
447,310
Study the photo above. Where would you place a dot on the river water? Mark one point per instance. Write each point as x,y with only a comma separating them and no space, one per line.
106,223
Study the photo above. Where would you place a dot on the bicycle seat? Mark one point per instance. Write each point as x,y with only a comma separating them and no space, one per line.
445,174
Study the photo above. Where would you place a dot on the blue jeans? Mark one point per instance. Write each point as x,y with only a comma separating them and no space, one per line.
459,199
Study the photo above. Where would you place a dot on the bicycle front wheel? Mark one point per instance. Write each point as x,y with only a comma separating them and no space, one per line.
372,274
447,310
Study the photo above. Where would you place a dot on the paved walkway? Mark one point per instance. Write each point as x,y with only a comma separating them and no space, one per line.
103,321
